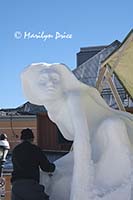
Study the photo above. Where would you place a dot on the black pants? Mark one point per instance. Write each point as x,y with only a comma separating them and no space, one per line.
27,189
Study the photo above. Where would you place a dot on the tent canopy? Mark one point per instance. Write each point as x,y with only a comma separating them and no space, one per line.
121,63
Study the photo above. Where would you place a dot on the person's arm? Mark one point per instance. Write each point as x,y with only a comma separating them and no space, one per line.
45,165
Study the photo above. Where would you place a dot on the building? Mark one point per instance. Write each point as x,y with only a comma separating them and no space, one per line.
89,61
47,135
12,125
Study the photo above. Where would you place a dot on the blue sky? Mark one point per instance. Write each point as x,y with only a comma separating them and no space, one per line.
88,23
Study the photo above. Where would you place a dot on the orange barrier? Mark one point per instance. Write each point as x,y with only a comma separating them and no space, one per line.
7,178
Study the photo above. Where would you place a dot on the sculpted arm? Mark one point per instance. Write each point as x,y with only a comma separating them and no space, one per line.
81,146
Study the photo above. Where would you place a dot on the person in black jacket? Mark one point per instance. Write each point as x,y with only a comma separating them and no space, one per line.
27,159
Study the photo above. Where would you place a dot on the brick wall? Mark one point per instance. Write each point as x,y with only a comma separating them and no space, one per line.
12,126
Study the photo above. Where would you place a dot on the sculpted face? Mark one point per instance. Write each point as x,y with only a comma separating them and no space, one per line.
41,84
49,82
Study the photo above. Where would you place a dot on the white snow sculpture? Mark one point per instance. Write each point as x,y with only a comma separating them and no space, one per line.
100,165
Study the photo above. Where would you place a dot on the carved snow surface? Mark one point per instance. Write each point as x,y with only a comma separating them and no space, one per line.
100,165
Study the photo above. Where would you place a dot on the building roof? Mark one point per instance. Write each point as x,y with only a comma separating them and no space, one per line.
26,108
87,52
88,71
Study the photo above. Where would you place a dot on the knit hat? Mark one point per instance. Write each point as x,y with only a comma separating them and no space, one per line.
26,134
3,136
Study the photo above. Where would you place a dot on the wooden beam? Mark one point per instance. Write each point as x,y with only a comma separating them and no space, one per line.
99,81
114,91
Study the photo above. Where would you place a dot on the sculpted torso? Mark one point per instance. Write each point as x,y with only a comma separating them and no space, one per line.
83,117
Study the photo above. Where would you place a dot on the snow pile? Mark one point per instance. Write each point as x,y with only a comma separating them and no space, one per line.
112,174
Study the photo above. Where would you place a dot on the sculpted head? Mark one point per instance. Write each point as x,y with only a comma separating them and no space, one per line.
44,82
41,83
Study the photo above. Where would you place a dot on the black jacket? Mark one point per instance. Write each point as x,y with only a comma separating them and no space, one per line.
26,159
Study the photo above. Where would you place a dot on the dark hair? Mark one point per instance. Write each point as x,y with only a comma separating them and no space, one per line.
3,136
26,134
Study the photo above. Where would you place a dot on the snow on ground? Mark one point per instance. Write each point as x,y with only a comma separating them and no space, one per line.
58,186
112,167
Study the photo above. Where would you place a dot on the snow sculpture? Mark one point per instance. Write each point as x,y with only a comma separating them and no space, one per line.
100,165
